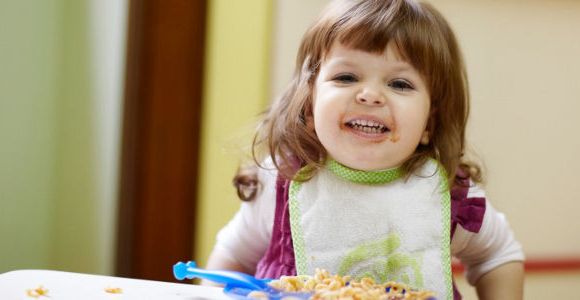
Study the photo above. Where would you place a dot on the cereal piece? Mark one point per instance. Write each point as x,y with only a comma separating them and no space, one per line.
310,284
112,290
277,284
258,295
320,287
335,285
37,292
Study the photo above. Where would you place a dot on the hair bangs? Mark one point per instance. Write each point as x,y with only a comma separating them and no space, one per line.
371,25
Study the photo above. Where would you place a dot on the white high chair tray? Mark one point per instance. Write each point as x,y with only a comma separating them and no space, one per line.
69,286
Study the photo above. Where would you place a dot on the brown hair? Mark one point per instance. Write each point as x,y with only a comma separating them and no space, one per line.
425,40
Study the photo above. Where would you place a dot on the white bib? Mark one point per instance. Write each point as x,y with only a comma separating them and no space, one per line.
375,224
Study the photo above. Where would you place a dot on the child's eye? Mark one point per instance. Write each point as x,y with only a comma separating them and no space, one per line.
345,78
401,85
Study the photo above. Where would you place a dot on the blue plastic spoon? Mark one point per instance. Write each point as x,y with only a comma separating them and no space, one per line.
237,285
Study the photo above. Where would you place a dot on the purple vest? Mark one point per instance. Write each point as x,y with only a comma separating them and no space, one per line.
279,257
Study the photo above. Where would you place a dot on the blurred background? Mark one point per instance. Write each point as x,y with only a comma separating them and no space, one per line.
122,123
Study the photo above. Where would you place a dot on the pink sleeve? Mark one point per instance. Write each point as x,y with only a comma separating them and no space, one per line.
491,247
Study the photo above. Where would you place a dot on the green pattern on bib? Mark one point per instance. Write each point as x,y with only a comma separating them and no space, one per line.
363,177
386,264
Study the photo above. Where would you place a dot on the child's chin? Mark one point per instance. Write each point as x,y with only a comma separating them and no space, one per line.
365,164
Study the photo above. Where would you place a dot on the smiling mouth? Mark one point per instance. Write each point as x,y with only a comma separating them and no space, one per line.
367,126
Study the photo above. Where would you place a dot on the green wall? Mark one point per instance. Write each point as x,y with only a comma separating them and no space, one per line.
76,211
29,72
55,208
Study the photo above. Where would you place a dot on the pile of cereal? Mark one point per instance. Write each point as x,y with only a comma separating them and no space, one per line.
326,286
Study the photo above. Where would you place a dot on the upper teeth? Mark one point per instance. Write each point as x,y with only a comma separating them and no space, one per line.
368,123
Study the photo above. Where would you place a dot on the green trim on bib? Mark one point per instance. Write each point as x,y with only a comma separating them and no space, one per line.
363,177
296,228
446,238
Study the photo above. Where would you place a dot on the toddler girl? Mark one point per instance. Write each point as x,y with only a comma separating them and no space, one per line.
362,169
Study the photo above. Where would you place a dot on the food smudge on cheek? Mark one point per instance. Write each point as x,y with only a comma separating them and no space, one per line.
394,136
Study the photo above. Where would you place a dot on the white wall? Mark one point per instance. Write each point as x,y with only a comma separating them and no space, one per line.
291,19
524,69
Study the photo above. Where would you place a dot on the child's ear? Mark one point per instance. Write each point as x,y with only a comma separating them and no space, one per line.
425,138
310,122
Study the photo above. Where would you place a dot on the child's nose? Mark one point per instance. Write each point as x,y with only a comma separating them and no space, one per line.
370,96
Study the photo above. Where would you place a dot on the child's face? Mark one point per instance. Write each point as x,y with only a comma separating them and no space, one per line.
370,110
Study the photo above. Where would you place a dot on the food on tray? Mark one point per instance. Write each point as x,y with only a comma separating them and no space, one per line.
115,290
326,286
37,292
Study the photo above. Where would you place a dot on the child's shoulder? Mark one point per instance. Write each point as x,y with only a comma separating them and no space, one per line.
251,179
466,185
468,202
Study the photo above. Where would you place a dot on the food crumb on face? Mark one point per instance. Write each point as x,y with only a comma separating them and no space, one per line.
115,290
37,292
